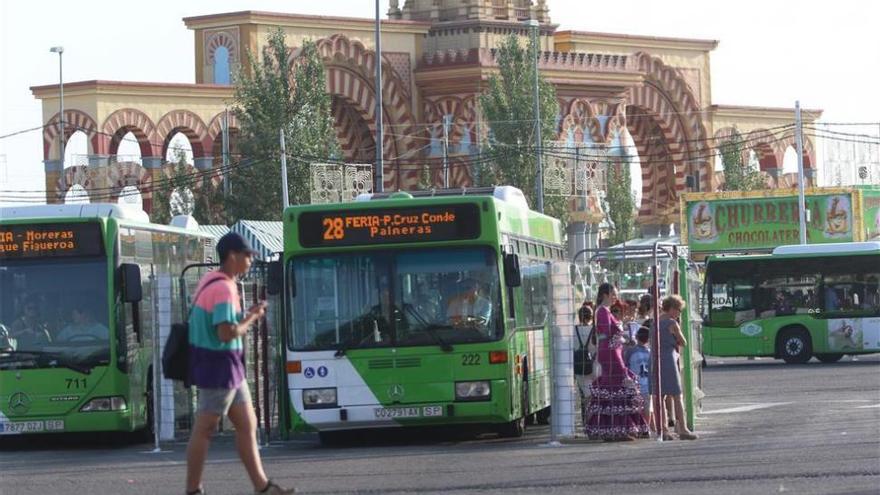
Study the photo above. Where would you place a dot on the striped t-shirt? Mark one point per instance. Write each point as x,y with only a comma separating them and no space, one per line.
212,362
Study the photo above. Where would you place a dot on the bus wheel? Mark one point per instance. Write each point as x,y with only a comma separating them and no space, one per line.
513,429
794,346
332,438
829,358
543,416
146,433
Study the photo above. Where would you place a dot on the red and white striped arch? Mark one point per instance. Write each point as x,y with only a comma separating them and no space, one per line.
74,120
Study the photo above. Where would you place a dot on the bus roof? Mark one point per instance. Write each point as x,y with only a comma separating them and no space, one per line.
836,248
89,210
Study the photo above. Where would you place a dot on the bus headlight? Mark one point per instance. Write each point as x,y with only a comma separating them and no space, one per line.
103,404
465,391
319,398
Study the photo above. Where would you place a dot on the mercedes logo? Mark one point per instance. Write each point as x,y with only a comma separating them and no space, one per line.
19,403
395,391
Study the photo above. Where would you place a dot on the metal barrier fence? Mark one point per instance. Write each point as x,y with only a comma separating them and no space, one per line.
175,405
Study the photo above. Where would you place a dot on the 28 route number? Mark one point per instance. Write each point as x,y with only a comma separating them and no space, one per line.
333,229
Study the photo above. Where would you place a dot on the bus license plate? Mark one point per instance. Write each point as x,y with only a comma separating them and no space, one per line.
408,412
9,428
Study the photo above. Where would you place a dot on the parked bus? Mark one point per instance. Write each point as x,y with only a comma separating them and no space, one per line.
405,310
798,302
78,299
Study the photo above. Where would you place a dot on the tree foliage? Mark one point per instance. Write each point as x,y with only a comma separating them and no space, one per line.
620,202
281,90
738,174
509,108
183,192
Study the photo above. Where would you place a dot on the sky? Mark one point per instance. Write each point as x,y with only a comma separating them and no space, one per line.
771,52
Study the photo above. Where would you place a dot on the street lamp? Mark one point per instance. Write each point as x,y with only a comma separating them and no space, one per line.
533,25
60,51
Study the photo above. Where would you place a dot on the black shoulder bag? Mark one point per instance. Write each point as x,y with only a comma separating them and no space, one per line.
175,355
583,358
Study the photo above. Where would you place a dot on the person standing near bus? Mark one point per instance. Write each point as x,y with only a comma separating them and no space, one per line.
216,366
672,339
615,408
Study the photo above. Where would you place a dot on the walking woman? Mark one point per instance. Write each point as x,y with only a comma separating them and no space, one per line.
615,408
671,341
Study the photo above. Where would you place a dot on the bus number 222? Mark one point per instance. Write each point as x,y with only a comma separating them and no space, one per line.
333,228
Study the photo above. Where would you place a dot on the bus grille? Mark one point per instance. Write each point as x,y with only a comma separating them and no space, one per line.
411,362
380,364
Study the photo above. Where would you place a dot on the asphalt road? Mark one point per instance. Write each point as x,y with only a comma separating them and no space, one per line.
766,427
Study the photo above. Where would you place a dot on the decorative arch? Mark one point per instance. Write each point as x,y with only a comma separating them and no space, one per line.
71,176
788,139
224,39
659,181
762,142
123,121
188,123
130,174
668,94
463,110
350,67
74,120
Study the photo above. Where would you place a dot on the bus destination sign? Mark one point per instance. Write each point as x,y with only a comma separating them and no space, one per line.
389,225
50,240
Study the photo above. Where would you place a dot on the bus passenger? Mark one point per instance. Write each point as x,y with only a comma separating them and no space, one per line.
83,328
30,329
469,309
216,366
671,339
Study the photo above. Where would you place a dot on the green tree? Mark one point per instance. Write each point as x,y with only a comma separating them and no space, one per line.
509,108
620,202
279,91
738,174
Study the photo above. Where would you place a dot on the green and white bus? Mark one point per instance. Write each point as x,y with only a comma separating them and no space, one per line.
426,310
79,306
798,302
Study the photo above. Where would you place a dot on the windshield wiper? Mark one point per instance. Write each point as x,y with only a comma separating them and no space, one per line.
431,328
55,359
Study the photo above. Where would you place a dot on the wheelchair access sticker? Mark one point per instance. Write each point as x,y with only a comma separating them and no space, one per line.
309,372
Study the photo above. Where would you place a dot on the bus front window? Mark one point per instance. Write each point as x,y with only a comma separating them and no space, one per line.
413,297
55,313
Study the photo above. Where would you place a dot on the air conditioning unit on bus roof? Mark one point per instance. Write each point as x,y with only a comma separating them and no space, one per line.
89,210
509,194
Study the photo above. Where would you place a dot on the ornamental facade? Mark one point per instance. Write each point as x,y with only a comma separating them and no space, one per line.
617,93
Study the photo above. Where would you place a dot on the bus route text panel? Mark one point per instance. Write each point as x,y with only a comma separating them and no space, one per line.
50,240
389,225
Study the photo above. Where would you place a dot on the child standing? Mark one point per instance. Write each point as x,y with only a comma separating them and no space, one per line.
638,360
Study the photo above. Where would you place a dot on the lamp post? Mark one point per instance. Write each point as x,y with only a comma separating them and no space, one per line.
380,179
533,24
60,51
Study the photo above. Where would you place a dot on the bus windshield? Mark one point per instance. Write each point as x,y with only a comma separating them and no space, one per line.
396,298
53,313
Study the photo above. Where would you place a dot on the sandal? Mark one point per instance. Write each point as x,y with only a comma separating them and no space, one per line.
273,489
686,435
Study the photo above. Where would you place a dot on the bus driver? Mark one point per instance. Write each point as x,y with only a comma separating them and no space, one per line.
469,308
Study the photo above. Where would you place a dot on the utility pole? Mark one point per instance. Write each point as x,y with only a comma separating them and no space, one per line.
226,152
539,186
799,140
380,180
446,121
285,199
60,51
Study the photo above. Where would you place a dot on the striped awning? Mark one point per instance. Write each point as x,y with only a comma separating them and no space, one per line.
215,231
265,237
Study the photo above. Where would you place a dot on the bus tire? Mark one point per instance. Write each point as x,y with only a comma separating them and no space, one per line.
513,429
829,358
146,433
794,345
543,416
332,438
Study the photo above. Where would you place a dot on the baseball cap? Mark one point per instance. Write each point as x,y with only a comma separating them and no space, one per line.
233,242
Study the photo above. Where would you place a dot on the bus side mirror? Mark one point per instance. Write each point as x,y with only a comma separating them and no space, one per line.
131,283
275,282
512,276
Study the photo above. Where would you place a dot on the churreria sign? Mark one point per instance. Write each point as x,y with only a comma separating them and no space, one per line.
719,224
